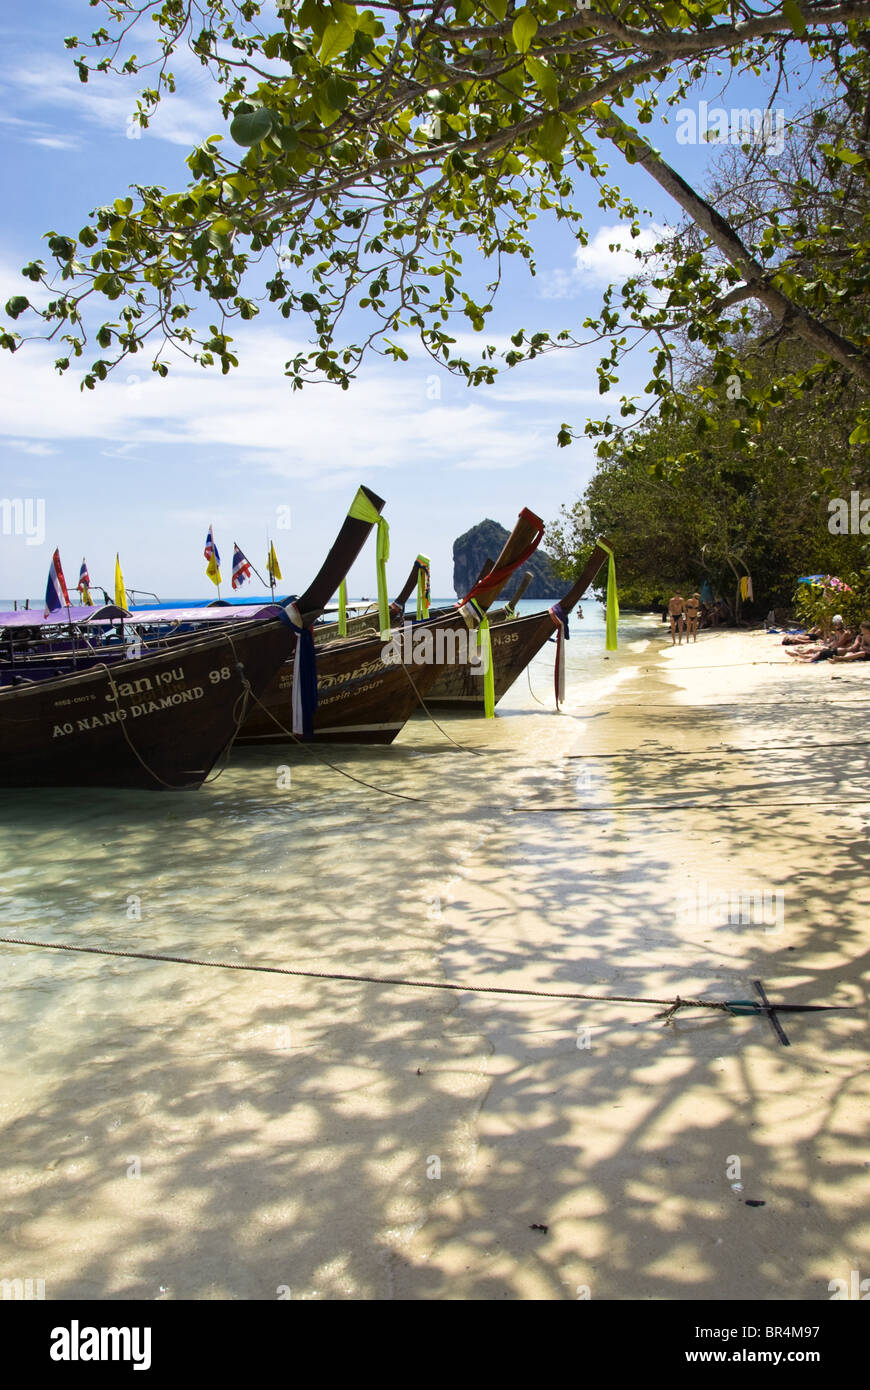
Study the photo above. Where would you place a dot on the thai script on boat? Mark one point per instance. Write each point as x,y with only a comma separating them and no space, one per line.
368,668
147,683
347,694
421,646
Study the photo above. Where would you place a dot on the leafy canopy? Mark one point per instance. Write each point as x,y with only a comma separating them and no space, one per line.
367,148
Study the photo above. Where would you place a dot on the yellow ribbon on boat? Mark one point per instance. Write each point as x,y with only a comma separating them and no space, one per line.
423,591
470,611
342,608
362,510
612,599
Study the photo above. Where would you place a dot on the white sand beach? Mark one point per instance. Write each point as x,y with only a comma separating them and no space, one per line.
178,1132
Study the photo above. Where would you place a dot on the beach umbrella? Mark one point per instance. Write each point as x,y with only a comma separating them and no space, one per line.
825,581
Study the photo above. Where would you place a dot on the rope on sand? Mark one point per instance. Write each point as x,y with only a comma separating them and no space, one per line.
671,1005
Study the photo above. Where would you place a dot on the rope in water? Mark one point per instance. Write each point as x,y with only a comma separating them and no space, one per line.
315,753
672,1005
426,710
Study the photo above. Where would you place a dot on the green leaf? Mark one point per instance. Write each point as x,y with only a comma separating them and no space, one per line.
550,139
791,11
337,38
17,305
545,79
251,127
860,434
525,27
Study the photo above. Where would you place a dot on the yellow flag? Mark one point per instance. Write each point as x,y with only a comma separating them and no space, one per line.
273,569
120,591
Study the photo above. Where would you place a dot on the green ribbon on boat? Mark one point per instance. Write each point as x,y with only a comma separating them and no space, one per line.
362,510
485,649
423,591
612,599
342,608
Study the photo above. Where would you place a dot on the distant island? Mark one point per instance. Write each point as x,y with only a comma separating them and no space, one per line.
487,539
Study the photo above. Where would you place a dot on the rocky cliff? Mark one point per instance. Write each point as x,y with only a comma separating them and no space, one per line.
487,538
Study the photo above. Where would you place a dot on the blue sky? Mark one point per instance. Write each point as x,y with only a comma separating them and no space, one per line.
142,466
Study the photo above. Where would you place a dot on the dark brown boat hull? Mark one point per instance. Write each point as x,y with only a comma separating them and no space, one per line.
156,722
361,697
514,644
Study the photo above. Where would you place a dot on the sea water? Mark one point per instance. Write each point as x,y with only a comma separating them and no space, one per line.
154,1117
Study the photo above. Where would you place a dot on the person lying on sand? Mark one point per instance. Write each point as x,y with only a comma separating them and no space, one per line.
676,609
812,634
840,640
859,649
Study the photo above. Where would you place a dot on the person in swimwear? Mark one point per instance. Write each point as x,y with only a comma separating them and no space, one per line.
693,612
676,611
840,640
859,649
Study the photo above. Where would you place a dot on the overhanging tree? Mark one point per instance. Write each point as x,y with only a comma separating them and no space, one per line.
367,148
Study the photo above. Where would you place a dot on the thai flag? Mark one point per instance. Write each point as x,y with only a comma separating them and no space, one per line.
212,555
241,567
211,550
56,595
84,578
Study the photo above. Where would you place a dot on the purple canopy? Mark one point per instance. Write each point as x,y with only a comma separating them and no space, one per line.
232,613
62,617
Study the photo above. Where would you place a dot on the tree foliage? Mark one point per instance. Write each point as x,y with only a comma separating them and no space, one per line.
722,513
363,152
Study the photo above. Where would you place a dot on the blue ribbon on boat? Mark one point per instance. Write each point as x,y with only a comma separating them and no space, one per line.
558,612
304,674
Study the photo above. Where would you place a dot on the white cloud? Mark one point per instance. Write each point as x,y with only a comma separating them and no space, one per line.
611,257
43,84
27,446
384,421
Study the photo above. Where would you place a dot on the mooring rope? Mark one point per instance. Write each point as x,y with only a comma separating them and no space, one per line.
671,1005
426,710
315,753
240,703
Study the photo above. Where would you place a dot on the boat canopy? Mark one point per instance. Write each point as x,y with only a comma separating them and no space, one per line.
233,613
62,617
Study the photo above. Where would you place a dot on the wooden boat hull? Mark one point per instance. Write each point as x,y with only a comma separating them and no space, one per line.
160,721
514,644
361,697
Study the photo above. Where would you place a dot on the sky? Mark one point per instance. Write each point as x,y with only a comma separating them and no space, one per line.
142,466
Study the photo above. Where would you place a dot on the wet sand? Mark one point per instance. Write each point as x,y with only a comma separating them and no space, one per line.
315,1139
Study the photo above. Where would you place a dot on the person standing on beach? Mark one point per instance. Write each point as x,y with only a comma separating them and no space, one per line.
676,609
693,610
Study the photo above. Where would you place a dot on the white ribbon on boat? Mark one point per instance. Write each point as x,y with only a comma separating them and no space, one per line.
296,723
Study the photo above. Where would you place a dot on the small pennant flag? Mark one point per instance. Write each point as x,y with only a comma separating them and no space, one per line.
273,569
120,591
56,595
241,567
84,585
213,568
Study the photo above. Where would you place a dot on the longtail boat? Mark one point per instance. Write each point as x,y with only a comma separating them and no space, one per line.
161,718
159,721
514,644
363,698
